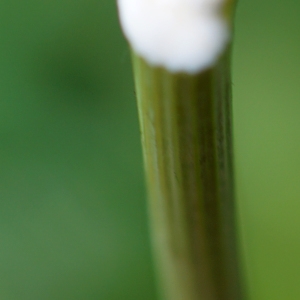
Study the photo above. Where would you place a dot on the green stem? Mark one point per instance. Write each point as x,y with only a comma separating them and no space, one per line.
187,143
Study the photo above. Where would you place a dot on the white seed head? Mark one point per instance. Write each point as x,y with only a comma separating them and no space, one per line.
180,35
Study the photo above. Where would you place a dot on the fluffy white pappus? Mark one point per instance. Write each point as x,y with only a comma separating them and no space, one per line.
179,35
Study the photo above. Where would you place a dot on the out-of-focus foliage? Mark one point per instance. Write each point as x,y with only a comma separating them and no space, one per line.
267,127
72,200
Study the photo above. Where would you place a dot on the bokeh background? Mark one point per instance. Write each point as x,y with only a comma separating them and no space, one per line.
72,196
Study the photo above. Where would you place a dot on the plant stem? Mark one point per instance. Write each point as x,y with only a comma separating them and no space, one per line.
187,143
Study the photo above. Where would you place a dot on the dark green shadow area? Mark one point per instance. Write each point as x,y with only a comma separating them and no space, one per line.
72,209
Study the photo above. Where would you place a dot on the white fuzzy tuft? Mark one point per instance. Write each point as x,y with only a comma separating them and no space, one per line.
180,35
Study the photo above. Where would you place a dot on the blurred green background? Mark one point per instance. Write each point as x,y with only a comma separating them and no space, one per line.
72,197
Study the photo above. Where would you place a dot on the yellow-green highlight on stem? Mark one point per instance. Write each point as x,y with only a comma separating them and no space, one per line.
186,132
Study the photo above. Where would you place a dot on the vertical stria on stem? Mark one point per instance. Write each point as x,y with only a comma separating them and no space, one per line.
185,122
